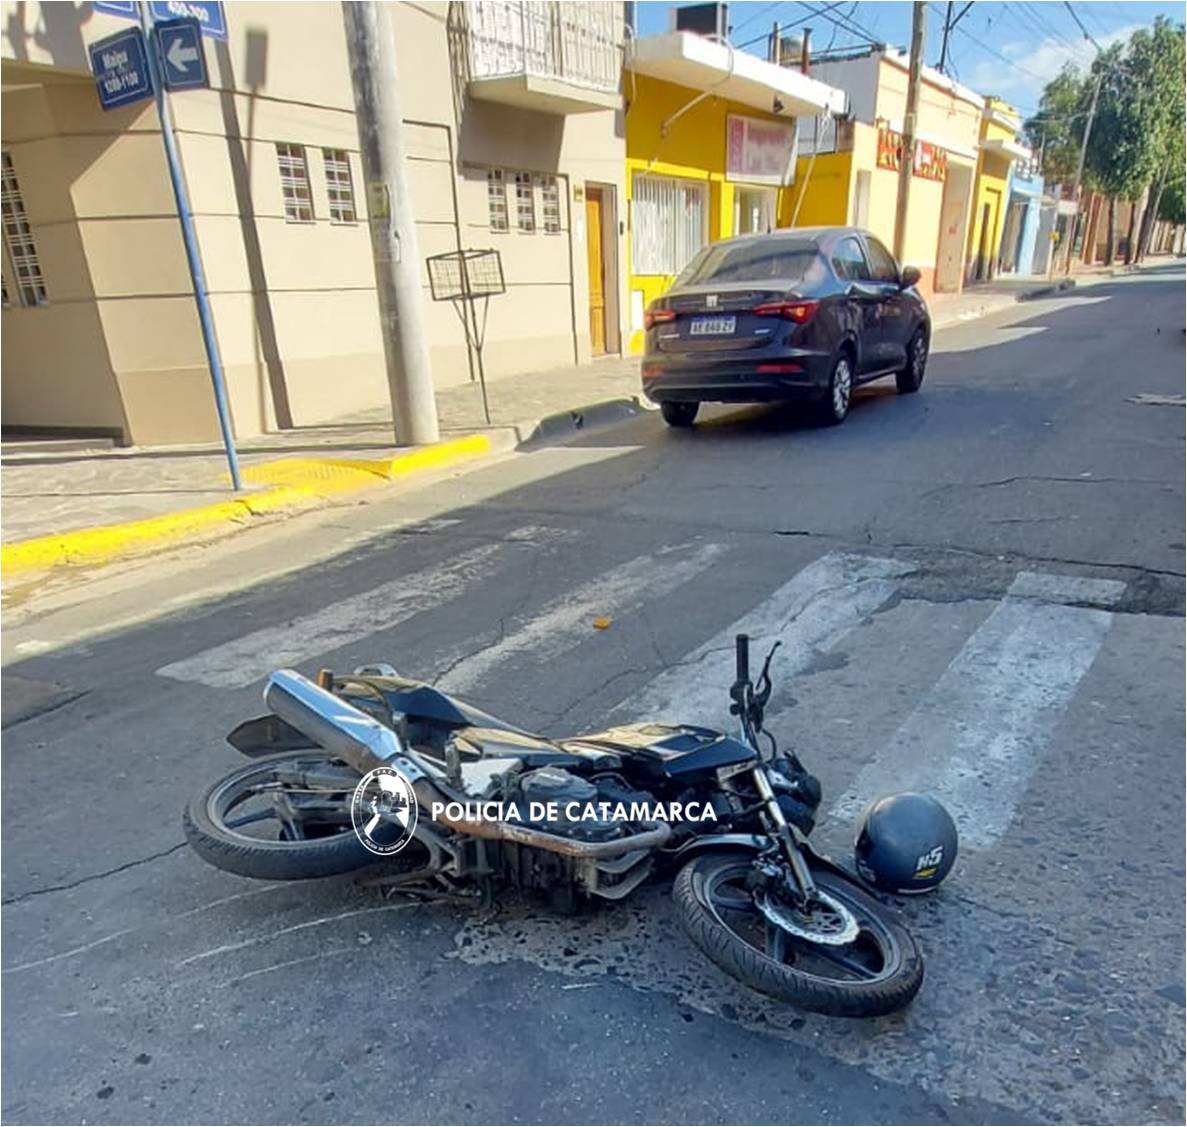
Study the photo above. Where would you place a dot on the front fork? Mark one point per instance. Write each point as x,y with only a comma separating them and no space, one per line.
787,834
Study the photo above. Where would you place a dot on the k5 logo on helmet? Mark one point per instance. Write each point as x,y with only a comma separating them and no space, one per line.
929,862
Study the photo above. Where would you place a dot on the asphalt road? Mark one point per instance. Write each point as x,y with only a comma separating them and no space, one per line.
980,590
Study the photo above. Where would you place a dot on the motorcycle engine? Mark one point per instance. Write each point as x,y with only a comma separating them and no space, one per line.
559,788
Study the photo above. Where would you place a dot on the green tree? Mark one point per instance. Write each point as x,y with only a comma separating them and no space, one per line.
1136,144
1056,129
1159,57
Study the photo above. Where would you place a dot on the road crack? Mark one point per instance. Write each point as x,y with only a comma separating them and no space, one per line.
23,896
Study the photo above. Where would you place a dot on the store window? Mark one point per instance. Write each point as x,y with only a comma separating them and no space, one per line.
754,211
669,221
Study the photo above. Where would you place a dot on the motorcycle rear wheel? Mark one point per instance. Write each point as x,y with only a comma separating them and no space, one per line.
216,825
877,973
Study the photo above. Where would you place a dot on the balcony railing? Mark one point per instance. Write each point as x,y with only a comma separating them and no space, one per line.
576,43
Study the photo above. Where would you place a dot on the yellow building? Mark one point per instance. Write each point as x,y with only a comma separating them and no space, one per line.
710,152
848,170
999,149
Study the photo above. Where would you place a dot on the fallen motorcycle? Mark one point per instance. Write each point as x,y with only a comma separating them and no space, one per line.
474,803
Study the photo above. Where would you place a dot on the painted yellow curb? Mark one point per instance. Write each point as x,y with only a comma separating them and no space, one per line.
294,483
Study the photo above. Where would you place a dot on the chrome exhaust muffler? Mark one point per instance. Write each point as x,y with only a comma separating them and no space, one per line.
332,723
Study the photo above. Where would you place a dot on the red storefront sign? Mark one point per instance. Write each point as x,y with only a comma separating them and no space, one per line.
930,163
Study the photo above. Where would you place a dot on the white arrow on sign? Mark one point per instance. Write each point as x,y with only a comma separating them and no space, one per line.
178,55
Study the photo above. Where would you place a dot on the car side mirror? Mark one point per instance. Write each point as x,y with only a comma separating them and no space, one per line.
908,276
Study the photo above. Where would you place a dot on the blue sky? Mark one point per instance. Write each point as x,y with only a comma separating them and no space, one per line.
1031,40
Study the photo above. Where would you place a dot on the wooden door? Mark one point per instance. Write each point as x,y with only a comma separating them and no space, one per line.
597,271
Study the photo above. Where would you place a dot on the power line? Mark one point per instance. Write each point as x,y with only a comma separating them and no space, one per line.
1080,25
750,19
845,24
996,54
792,23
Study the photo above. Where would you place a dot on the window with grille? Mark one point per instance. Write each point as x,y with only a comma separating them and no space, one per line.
525,202
550,197
496,200
339,186
294,183
18,242
667,224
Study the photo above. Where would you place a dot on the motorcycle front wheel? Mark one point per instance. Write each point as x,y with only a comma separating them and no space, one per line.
866,970
253,824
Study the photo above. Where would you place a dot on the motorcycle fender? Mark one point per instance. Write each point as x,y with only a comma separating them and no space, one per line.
708,842
267,735
758,842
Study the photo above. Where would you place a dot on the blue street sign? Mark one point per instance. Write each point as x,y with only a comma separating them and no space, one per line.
125,8
180,55
210,16
120,66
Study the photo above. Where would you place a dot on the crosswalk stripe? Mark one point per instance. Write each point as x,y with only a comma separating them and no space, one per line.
564,623
976,737
812,611
246,659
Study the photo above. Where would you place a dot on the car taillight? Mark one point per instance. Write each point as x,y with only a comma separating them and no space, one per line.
658,317
797,311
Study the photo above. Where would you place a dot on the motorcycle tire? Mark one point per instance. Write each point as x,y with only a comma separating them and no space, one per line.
893,986
215,841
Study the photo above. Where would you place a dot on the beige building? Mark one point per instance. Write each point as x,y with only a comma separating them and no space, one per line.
854,176
515,141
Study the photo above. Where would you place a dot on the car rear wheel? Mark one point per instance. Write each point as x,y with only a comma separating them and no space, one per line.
910,378
679,414
835,406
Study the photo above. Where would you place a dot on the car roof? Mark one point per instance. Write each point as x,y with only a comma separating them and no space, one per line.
816,235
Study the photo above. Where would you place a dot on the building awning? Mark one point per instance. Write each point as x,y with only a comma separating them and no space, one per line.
1011,150
705,65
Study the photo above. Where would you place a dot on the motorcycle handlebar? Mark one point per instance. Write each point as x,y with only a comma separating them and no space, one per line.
742,643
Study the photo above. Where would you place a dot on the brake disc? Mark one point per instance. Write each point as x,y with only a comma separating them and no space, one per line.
828,922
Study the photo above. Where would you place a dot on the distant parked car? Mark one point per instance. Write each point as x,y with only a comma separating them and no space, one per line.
803,313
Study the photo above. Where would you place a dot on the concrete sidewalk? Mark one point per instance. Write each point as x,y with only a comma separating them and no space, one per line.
91,505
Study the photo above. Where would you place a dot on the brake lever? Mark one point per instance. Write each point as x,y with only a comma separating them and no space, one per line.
763,692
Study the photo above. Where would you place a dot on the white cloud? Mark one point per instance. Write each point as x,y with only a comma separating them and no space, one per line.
1041,64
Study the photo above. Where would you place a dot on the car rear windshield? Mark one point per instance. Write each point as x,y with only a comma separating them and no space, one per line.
763,260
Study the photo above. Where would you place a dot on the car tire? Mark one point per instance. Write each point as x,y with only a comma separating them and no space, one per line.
834,407
679,414
909,379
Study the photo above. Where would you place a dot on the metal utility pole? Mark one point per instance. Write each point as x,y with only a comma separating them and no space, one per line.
1075,223
197,276
394,247
910,119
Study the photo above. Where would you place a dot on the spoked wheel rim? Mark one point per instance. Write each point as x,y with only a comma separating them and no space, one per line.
918,357
842,387
871,957
254,807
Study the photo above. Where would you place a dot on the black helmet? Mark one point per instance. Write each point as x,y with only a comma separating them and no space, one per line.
906,843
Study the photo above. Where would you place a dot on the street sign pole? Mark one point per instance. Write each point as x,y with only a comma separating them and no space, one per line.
181,194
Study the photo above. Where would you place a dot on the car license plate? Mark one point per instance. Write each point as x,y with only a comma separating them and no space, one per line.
712,326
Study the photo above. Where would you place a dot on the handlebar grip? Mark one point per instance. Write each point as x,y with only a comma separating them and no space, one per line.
742,642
